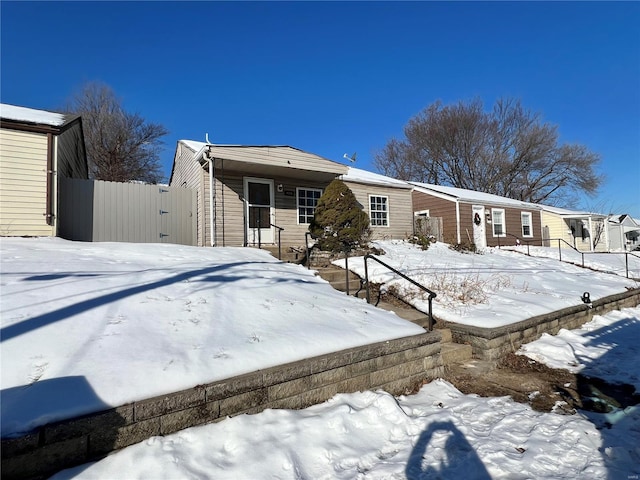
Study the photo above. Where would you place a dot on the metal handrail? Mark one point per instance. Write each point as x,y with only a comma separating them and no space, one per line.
582,254
306,246
280,229
431,293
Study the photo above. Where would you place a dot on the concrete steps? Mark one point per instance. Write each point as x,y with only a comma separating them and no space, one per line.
287,254
455,353
452,353
340,278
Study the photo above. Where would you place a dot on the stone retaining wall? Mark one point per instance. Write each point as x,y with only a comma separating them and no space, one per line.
492,343
396,366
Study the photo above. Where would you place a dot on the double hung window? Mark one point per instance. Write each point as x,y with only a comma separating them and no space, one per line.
497,219
379,211
527,229
307,203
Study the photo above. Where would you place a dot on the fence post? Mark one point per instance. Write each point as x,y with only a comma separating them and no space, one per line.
346,269
306,246
279,245
626,263
559,251
366,278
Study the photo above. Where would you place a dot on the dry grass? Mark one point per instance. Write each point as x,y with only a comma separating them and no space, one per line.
454,289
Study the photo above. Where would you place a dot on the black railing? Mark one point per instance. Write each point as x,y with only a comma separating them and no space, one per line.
547,242
280,229
431,293
307,249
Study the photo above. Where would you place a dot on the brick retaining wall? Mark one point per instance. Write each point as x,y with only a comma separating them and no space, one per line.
396,366
493,343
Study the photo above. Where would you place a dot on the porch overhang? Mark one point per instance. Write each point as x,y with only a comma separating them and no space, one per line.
251,169
271,162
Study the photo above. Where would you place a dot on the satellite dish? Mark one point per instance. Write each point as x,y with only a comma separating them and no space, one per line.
351,158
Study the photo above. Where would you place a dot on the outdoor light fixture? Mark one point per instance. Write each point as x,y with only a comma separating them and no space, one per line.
586,298
280,187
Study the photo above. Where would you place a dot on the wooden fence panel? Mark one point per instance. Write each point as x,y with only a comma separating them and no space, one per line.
430,226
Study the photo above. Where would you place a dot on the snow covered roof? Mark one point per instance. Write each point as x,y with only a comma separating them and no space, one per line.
362,176
566,213
471,195
30,115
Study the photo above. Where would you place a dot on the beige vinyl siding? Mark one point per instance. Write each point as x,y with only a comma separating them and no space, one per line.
230,228
230,221
561,228
287,210
190,174
400,210
558,228
23,184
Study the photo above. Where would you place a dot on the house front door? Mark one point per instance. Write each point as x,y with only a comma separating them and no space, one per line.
259,205
479,228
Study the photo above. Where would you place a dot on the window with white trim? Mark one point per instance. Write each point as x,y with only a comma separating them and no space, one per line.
527,224
379,211
497,220
307,203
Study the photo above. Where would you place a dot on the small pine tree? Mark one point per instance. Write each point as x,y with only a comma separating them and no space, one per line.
339,223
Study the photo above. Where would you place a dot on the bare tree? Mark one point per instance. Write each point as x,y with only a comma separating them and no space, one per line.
508,151
121,146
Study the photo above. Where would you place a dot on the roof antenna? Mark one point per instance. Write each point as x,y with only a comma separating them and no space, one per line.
351,158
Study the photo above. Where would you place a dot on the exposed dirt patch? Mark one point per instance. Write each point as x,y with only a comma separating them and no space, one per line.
545,389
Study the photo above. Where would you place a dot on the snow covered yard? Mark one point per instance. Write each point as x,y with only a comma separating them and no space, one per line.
615,262
127,322
491,289
438,433
141,320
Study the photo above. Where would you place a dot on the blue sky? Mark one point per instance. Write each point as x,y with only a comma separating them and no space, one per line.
339,77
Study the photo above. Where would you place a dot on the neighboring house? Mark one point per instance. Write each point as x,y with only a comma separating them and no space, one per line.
479,218
246,194
584,231
624,233
37,148
386,200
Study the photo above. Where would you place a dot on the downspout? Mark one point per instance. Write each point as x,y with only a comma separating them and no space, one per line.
590,233
458,220
54,187
212,196
49,208
606,234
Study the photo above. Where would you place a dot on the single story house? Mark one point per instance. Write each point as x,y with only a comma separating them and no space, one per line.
251,195
37,148
386,200
584,231
479,218
624,233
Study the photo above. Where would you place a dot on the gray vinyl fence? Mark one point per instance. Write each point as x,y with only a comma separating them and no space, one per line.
98,211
